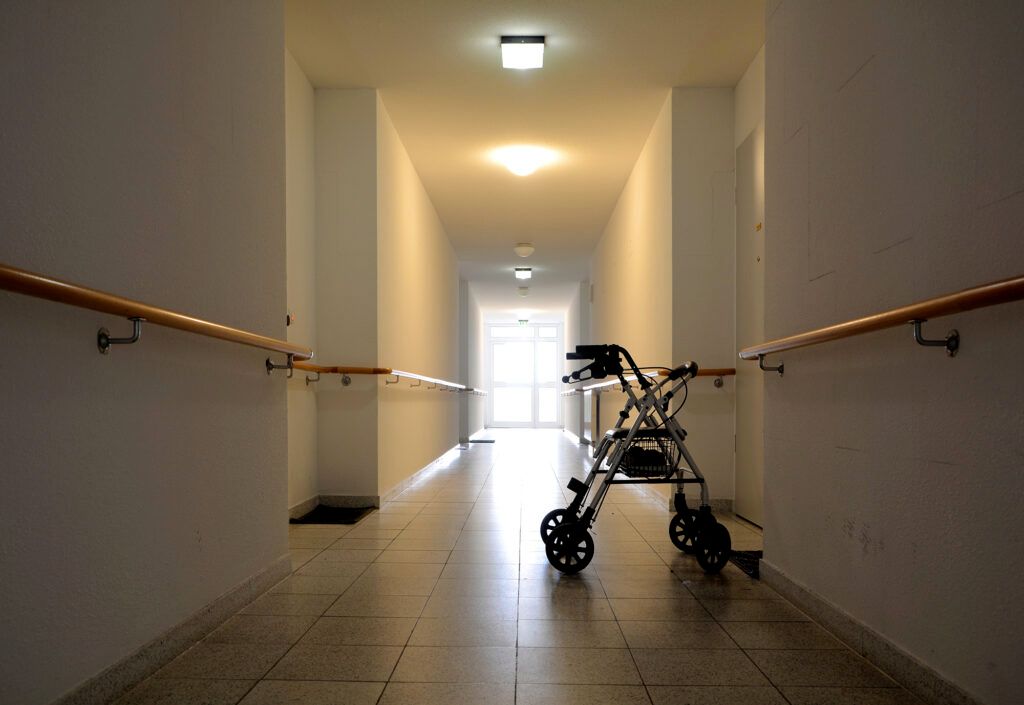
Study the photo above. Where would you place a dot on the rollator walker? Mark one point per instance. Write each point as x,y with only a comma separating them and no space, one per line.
651,450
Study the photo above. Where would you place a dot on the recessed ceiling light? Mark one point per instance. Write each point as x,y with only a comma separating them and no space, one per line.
523,249
521,52
523,159
523,272
524,291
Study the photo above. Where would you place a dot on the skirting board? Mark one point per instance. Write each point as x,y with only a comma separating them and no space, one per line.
906,670
118,679
411,480
303,508
350,500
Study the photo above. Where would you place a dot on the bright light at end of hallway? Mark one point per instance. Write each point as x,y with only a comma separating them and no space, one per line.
522,52
523,159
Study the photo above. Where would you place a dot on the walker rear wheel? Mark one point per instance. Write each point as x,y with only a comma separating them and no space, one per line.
683,531
570,548
714,546
551,521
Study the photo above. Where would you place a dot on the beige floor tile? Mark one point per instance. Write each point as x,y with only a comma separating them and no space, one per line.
564,608
781,635
313,693
496,555
471,607
567,586
849,696
487,571
349,555
550,694
377,606
173,691
715,695
210,660
819,668
404,585
576,665
313,585
654,587
459,631
372,532
332,662
448,694
404,570
753,611
589,633
301,556
675,635
332,569
659,609
457,664
361,631
334,531
290,604
390,555
730,589
262,629
300,541
361,544
477,587
422,544
697,667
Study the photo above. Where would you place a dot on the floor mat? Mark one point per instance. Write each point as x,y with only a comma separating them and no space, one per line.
333,515
748,562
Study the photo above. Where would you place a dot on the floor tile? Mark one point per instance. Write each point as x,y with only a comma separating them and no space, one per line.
404,570
550,694
781,635
675,635
313,585
289,604
727,589
173,691
362,631
313,693
697,667
849,696
448,694
211,660
564,608
362,544
458,631
324,662
457,664
333,569
471,607
405,585
754,611
715,695
390,555
477,587
349,555
491,571
576,665
820,668
565,586
262,629
377,606
570,633
658,609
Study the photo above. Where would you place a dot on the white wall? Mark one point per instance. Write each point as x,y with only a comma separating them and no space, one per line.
895,172
473,408
703,272
417,315
572,405
301,235
346,282
749,100
143,154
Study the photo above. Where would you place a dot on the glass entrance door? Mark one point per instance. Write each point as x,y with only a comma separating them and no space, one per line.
524,375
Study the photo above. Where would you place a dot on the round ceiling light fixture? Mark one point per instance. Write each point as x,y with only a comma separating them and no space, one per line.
523,249
524,291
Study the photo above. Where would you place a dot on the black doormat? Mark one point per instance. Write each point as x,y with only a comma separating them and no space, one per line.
748,562
481,440
322,514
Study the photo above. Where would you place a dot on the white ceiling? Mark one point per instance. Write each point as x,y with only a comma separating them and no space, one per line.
608,67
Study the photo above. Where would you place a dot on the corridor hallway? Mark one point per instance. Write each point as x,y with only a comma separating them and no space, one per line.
445,596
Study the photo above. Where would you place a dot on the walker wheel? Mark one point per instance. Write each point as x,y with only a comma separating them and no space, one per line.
714,546
570,548
683,531
551,521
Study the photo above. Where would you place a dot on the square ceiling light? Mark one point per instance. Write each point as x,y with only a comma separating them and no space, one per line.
521,52
523,272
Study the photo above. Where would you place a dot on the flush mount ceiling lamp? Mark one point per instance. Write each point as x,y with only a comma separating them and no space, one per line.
523,249
524,291
522,52
523,159
523,272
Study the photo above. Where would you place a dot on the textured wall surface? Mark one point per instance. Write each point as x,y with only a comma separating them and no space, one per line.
895,172
143,154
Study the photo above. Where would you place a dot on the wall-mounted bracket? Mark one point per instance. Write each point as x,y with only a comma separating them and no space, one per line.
388,381
346,381
780,368
951,342
418,383
311,380
719,382
290,366
104,341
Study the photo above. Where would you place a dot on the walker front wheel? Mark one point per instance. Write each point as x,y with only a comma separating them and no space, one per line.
714,546
551,521
683,531
570,548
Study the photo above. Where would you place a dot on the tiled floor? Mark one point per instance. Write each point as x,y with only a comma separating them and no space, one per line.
445,596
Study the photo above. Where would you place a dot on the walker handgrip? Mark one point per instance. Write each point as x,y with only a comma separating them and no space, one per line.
685,369
587,352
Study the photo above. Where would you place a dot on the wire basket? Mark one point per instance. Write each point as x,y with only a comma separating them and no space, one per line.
650,457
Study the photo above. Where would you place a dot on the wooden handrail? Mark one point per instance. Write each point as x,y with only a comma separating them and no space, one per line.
999,292
31,284
342,369
662,372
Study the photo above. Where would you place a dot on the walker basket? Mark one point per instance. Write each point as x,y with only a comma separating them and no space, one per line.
650,456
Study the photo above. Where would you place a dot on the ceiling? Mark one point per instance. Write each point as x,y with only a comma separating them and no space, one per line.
608,66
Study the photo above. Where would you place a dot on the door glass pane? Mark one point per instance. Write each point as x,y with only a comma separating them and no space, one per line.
511,332
513,363
547,405
547,332
547,362
512,405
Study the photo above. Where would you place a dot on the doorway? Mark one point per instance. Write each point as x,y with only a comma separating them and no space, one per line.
524,365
